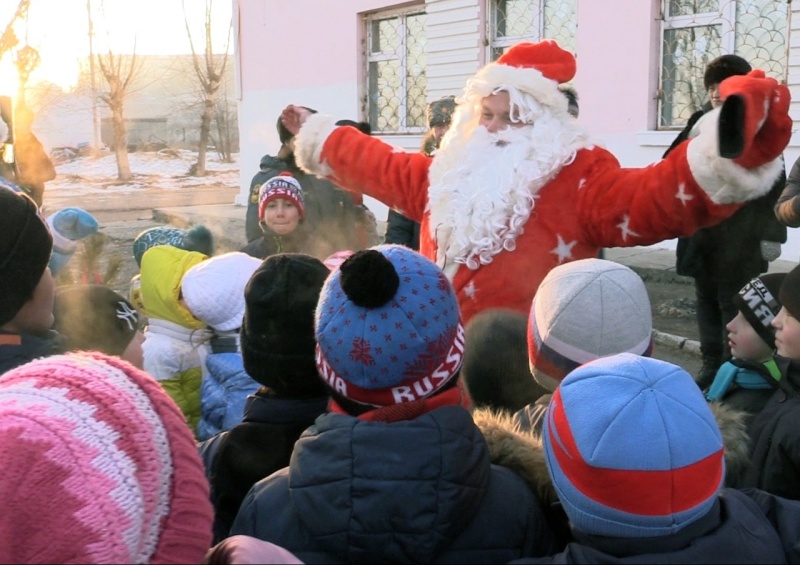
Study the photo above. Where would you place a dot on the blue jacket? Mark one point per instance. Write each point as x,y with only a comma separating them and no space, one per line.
421,490
223,393
18,349
744,527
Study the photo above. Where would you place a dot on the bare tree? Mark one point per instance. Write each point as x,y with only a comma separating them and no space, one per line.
119,73
209,71
8,39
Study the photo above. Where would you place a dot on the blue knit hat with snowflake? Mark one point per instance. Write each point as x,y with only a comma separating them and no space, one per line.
388,329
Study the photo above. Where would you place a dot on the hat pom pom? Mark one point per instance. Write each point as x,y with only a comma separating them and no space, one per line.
369,279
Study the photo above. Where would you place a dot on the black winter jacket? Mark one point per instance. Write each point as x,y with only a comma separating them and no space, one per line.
732,247
775,439
235,460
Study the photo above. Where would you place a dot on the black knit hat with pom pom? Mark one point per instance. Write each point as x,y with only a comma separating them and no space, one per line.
388,328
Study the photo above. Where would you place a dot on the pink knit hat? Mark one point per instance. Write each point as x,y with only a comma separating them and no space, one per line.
99,466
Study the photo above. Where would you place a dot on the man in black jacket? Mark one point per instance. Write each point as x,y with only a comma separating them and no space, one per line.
724,257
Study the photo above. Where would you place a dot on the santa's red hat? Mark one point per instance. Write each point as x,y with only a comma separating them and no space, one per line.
532,68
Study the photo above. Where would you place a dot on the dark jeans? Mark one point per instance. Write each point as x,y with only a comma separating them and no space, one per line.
715,308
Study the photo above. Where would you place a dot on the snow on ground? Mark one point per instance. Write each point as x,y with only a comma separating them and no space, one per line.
165,170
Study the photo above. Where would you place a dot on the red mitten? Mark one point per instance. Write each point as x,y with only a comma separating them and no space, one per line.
766,126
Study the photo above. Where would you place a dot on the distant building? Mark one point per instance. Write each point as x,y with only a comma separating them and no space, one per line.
163,108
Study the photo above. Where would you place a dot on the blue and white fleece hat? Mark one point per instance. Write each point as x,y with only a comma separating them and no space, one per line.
632,448
388,328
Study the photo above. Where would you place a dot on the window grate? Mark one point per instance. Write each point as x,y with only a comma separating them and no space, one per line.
512,21
694,32
396,84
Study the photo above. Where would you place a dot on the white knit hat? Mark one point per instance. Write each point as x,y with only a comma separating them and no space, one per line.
584,310
214,289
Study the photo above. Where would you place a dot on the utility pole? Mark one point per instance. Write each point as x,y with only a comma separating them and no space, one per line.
95,114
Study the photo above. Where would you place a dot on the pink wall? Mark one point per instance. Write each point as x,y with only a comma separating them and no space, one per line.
299,62
615,63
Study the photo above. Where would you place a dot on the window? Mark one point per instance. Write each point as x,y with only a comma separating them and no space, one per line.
396,73
697,31
512,21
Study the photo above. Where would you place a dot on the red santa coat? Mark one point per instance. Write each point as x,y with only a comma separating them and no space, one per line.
593,202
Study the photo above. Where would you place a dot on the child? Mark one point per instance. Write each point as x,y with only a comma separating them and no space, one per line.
278,352
95,318
775,430
176,341
640,474
396,471
98,467
747,381
213,291
281,212
26,284
198,238
582,311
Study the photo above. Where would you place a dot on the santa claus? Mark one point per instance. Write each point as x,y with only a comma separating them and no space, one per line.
518,187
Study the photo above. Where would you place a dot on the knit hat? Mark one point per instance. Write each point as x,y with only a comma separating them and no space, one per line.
99,467
535,69
789,294
94,317
214,289
758,303
282,186
388,328
584,310
278,330
68,226
198,238
723,67
25,246
632,448
440,112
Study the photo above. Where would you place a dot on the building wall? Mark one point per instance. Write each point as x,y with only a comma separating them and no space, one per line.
320,66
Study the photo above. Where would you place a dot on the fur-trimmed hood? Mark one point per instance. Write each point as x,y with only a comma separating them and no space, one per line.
520,451
733,425
523,452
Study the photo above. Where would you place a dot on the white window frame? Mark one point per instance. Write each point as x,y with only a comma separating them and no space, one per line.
372,57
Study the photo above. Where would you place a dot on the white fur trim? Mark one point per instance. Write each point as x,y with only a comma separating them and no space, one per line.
309,142
494,77
724,181
61,243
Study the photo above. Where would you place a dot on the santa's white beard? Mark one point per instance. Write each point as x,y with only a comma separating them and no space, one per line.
483,186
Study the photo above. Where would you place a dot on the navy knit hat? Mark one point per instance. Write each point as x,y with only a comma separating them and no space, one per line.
632,448
388,328
198,238
277,332
758,302
25,247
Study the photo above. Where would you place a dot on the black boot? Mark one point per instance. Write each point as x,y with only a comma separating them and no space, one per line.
711,362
